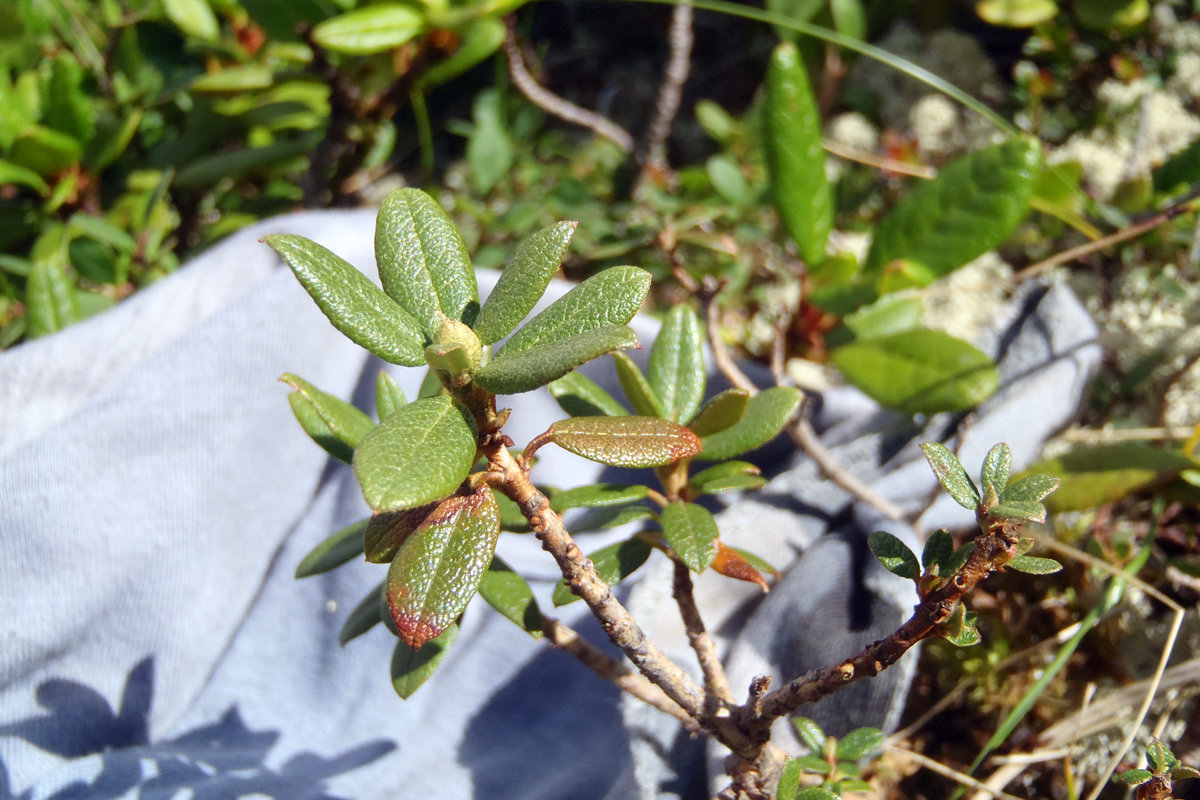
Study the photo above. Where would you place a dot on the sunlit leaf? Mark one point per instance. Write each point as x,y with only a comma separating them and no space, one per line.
1096,475
720,412
733,564
810,733
388,395
894,555
641,395
996,468
627,441
691,532
388,530
766,414
523,281
1032,565
676,367
859,743
523,370
1016,13
372,29
338,549
728,476
508,593
951,475
598,495
332,423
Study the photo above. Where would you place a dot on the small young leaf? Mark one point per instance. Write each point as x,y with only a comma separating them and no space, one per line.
611,517
598,495
996,468
732,564
789,780
691,532
51,303
516,371
1032,565
523,281
938,548
410,669
1181,772
960,629
373,29
579,396
951,475
607,298
613,564
479,39
438,569
676,367
1018,509
725,477
388,530
354,305
810,733
858,743
1160,756
1033,487
366,615
388,395
894,555
625,441
641,395
1024,545
508,593
423,262
1135,777
332,423
954,563
766,414
721,412
419,454
341,547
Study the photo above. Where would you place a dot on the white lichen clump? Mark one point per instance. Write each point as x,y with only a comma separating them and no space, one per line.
964,302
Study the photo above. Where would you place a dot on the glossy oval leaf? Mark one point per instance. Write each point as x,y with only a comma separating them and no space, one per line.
969,208
419,454
423,261
372,29
50,299
676,367
332,423
766,414
523,281
637,388
508,593
810,733
338,549
997,466
795,158
728,476
613,564
354,305
437,571
388,395
919,371
691,532
951,475
580,396
364,616
599,495
411,669
894,555
630,441
720,412
607,298
513,372
387,531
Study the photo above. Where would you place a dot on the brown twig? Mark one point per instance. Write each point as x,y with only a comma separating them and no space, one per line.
716,684
669,92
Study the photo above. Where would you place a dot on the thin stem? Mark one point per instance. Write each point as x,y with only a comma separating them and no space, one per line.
670,91
806,438
716,684
712,319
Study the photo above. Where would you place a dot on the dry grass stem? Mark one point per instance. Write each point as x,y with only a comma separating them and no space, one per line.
947,772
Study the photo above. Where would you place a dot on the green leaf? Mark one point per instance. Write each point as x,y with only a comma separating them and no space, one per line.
810,733
45,151
423,261
795,157
419,454
102,230
954,563
625,441
611,517
938,547
1106,15
411,669
1097,475
1135,777
598,496
1179,171
1016,13
725,477
332,423
814,765
354,305
996,468
523,281
341,547
613,564
387,531
726,177
676,368
1031,487
969,208
951,475
437,571
50,301
1160,756
859,743
894,555
373,29
15,174
721,412
490,151
888,315
1180,772
511,518
579,396
1031,565
637,388
789,780
766,414
234,79
193,17
508,593
691,532
388,395
960,629
1018,509
516,371
919,371
482,38
607,298
364,616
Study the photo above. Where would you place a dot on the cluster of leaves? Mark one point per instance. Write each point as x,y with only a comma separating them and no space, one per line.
436,521
132,132
1103,17
1157,782
834,761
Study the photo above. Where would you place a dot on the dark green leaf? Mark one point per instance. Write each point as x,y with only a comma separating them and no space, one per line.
1031,487
858,743
1018,509
954,563
894,555
598,496
419,454
613,564
810,733
523,281
996,468
516,371
1135,777
919,371
951,475
439,567
795,157
1180,170
511,518
341,547
720,412
388,395
1096,475
373,29
508,593
938,547
969,208
354,305
625,441
727,476
411,669
331,422
423,262
1160,756
676,368
388,530
1106,15
1031,565
207,170
50,301
638,391
611,517
366,615
579,396
766,414
691,532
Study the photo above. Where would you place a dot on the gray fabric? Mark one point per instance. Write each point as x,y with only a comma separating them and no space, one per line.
157,495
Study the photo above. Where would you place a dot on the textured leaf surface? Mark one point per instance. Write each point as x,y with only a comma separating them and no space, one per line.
954,562
938,547
354,305
331,422
1093,476
373,29
423,262
810,733
580,396
997,466
419,454
676,367
50,299
951,475
607,298
439,567
720,412
1018,509
794,154
733,563
1032,565
508,593
516,371
638,391
523,281
969,208
598,495
919,371
858,743
364,616
691,532
625,441
388,395
789,780
766,414
411,669
894,555
388,530
613,564
341,547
